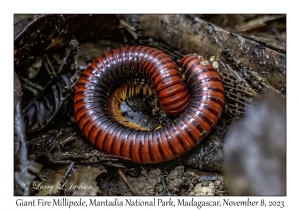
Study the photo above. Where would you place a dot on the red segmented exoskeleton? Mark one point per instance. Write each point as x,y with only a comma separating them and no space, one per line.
198,106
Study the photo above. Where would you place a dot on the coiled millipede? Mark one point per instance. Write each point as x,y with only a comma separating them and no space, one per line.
198,106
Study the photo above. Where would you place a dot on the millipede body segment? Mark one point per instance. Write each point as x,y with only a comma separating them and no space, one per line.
198,105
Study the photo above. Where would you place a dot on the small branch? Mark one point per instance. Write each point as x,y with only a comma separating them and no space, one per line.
120,172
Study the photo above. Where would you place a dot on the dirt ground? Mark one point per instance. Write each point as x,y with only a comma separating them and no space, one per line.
62,162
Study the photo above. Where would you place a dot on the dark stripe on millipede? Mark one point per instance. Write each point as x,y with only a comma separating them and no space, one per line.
169,129
115,136
183,126
202,115
191,112
180,138
155,136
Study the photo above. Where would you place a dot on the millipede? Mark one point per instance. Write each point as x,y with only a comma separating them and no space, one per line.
196,102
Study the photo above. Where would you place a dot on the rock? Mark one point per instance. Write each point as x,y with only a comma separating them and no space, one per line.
255,149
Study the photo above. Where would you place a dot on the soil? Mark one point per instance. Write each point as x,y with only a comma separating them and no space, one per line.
72,166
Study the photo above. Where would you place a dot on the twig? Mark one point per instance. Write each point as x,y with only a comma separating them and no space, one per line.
165,187
63,180
68,171
258,22
120,172
48,65
30,83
